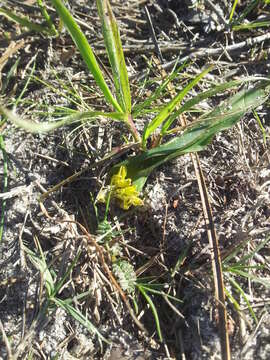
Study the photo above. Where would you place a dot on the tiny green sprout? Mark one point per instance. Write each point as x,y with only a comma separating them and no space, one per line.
123,190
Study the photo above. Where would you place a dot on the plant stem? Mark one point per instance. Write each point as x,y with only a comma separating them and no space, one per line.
47,18
133,129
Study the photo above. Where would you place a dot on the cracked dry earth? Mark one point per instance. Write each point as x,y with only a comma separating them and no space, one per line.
237,173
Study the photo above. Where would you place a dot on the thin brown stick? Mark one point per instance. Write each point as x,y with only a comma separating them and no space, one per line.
209,51
216,260
213,241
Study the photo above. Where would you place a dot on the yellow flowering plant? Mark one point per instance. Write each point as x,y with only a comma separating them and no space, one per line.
122,190
129,177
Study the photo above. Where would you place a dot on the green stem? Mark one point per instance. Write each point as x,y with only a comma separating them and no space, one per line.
133,129
47,18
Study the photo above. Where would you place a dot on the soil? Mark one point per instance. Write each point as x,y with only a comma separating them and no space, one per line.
170,226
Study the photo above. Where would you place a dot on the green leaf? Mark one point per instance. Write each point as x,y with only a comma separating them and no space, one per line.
47,18
242,293
85,50
23,21
153,308
196,100
168,109
77,315
49,126
233,10
140,108
197,136
115,53
251,25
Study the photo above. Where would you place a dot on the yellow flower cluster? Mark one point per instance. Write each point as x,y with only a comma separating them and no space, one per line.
124,191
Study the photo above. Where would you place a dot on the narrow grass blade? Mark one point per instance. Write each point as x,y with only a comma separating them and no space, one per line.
168,109
77,315
260,125
251,25
40,264
9,76
49,126
61,282
85,51
115,52
47,17
154,310
242,293
23,21
202,96
233,9
265,281
140,108
250,255
250,6
196,100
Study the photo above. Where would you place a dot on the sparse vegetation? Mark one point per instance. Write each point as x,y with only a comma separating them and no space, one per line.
108,265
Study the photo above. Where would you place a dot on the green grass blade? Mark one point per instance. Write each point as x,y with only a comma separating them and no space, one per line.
85,51
233,9
257,118
40,264
23,21
250,255
168,109
232,300
196,100
154,310
265,282
251,25
115,53
19,98
77,315
10,75
250,6
138,109
47,18
242,293
61,282
49,126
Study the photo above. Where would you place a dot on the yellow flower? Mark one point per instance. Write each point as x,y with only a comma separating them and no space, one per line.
119,180
124,191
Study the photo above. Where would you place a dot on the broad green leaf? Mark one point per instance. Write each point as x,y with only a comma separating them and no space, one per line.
49,126
115,53
85,50
168,109
23,21
202,96
197,136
